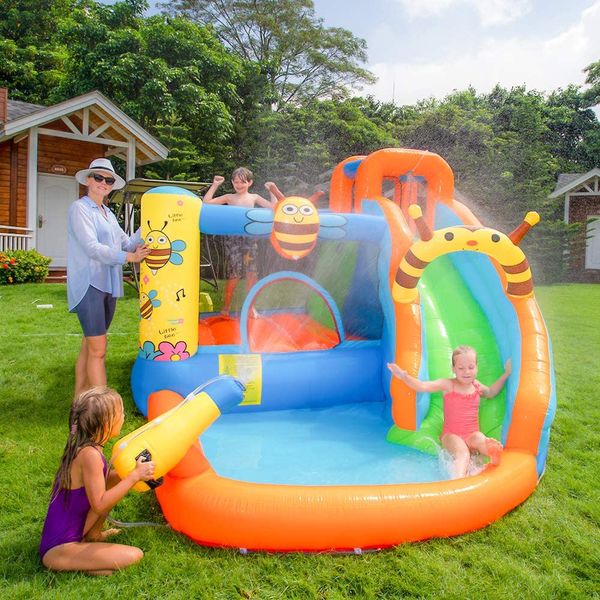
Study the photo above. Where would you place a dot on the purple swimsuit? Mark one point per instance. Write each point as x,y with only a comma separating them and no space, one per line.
65,520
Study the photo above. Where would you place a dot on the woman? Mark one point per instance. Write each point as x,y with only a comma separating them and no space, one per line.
97,249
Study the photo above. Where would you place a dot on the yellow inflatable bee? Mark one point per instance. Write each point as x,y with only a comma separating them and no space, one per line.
504,248
148,302
295,225
162,250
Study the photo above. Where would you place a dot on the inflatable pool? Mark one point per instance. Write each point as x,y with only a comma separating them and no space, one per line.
325,451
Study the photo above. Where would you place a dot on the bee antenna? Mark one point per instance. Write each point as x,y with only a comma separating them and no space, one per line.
163,227
149,226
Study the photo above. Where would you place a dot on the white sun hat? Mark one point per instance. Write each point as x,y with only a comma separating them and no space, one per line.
100,164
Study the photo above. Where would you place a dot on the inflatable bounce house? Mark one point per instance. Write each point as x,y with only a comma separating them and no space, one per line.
321,449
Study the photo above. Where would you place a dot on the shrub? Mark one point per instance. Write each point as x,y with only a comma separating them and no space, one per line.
21,266
552,249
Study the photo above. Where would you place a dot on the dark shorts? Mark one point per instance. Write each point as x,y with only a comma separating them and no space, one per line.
95,312
241,256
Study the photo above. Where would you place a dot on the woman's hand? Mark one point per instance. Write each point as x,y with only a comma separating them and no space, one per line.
139,255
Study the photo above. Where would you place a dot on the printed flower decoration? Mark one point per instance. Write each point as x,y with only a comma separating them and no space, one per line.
149,352
170,352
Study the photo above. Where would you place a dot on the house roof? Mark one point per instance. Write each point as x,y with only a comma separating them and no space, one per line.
567,182
17,109
116,124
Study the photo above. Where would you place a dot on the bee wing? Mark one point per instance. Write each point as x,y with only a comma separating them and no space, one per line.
332,226
176,259
258,228
260,215
178,246
155,302
261,221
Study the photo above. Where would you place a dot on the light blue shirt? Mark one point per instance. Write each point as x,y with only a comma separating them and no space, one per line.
96,251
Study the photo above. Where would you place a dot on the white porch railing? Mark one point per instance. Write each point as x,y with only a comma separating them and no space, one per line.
14,238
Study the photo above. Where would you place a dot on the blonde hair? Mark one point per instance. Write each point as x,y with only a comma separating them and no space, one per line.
463,350
242,174
91,419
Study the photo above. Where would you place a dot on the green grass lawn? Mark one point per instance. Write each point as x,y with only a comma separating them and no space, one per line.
546,548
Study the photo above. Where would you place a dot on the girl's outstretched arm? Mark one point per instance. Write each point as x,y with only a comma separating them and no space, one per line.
437,385
496,387
102,499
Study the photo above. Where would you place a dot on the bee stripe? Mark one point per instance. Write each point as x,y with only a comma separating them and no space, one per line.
520,289
518,268
413,261
286,237
405,280
153,262
519,277
159,252
295,245
296,228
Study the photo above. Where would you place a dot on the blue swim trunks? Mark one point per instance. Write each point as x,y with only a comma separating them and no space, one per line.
241,256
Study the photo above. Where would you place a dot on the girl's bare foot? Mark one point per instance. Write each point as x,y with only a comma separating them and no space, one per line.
102,536
494,450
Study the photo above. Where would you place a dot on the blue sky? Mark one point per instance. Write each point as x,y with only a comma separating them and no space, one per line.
426,48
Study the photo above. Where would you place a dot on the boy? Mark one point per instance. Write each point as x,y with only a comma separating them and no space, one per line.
241,251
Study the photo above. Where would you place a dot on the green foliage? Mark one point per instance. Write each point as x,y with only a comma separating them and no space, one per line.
592,95
23,266
265,84
32,56
184,159
551,248
301,59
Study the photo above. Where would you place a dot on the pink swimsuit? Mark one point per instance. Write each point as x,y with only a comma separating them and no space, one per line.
461,412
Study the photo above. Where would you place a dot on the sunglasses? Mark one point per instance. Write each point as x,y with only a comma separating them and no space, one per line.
100,178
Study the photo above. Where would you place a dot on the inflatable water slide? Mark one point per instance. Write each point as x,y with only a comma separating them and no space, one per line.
321,449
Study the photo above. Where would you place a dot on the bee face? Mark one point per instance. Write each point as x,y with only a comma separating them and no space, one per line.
295,227
160,249
462,238
473,238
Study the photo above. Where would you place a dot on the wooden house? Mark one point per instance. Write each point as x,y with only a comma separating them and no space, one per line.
581,195
41,149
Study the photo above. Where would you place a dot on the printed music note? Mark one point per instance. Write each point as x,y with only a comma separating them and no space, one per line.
182,292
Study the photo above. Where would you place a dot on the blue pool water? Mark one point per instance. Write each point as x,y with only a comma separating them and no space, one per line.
342,445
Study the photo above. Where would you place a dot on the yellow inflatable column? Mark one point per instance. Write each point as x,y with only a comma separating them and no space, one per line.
170,275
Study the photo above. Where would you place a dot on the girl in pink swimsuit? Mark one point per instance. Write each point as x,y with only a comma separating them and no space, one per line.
85,490
461,434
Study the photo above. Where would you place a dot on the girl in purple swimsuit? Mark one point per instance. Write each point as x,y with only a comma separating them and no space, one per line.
462,393
85,489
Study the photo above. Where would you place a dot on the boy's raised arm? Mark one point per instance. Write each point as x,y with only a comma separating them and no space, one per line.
209,196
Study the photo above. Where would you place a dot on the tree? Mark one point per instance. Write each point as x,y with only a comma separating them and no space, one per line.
593,79
301,59
184,161
574,131
156,68
31,55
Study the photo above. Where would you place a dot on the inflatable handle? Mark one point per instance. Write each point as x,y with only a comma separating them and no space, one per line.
291,275
151,483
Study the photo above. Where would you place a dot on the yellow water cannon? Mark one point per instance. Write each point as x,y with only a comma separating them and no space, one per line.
167,438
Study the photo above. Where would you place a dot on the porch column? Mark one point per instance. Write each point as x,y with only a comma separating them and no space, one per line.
32,185
130,168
